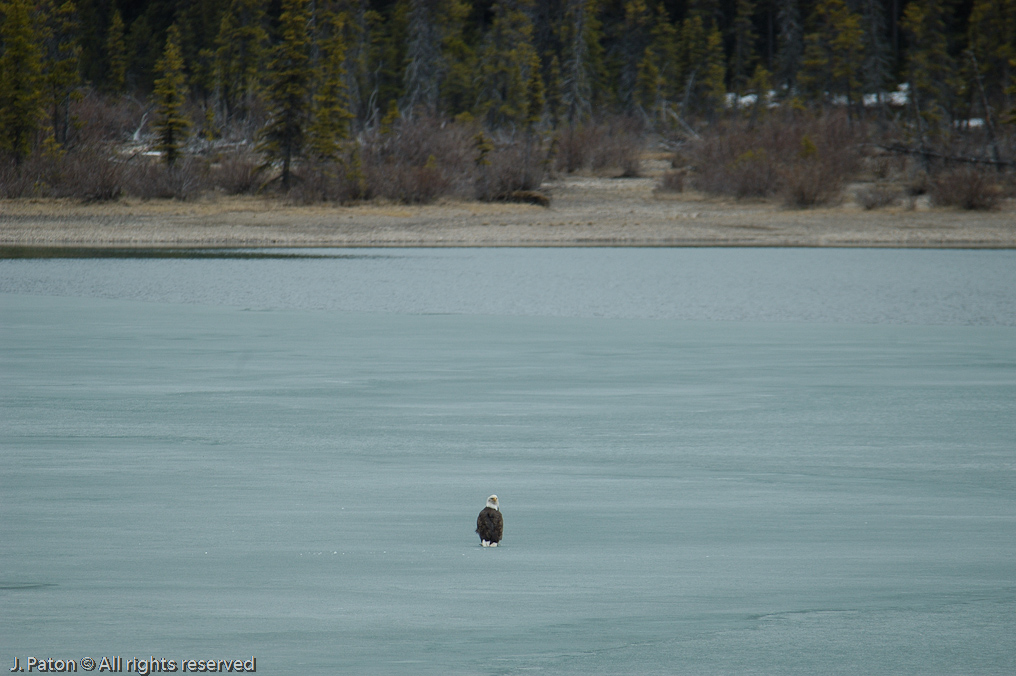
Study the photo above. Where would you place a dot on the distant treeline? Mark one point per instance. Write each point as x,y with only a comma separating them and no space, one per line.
302,76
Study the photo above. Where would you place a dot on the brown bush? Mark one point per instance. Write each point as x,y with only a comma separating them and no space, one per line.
321,182
806,160
92,174
574,145
419,161
33,177
607,148
153,179
519,166
967,188
878,196
671,181
104,119
238,173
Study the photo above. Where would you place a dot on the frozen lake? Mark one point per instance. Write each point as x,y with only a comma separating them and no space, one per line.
755,461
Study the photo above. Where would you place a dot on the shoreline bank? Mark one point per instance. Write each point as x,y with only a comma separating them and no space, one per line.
584,212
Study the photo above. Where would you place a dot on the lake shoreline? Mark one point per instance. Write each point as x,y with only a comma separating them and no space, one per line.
584,212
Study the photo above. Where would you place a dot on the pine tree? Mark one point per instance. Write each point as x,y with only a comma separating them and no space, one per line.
833,52
60,31
634,39
330,115
582,56
992,39
458,92
931,70
386,55
791,43
20,80
116,51
425,62
701,66
555,103
171,124
649,86
536,93
241,46
877,67
665,52
713,83
744,56
506,59
283,137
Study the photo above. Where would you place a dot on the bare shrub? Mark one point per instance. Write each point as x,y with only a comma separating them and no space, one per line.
574,146
238,173
737,163
613,147
33,177
155,180
103,119
409,184
92,175
420,160
620,149
806,160
878,196
967,188
816,175
320,182
671,181
515,167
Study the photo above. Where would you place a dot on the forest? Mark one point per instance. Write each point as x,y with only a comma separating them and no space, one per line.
412,100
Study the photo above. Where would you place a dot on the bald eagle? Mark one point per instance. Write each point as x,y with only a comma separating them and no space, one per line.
490,524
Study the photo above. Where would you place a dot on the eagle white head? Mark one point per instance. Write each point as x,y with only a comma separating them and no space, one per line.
492,502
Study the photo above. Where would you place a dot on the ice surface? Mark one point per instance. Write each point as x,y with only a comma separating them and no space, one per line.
704,497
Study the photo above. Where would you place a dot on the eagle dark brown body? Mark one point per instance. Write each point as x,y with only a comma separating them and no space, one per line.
490,523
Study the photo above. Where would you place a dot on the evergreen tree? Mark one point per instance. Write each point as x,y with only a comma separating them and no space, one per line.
877,67
425,61
20,80
506,59
833,52
992,39
536,93
791,43
744,56
458,92
60,30
199,22
555,103
649,87
582,57
283,138
330,115
713,84
635,37
241,46
171,124
701,66
931,70
116,52
387,58
665,52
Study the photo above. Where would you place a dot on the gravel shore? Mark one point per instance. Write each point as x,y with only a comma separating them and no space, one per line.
584,211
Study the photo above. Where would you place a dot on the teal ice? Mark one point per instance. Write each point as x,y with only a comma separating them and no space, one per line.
743,461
